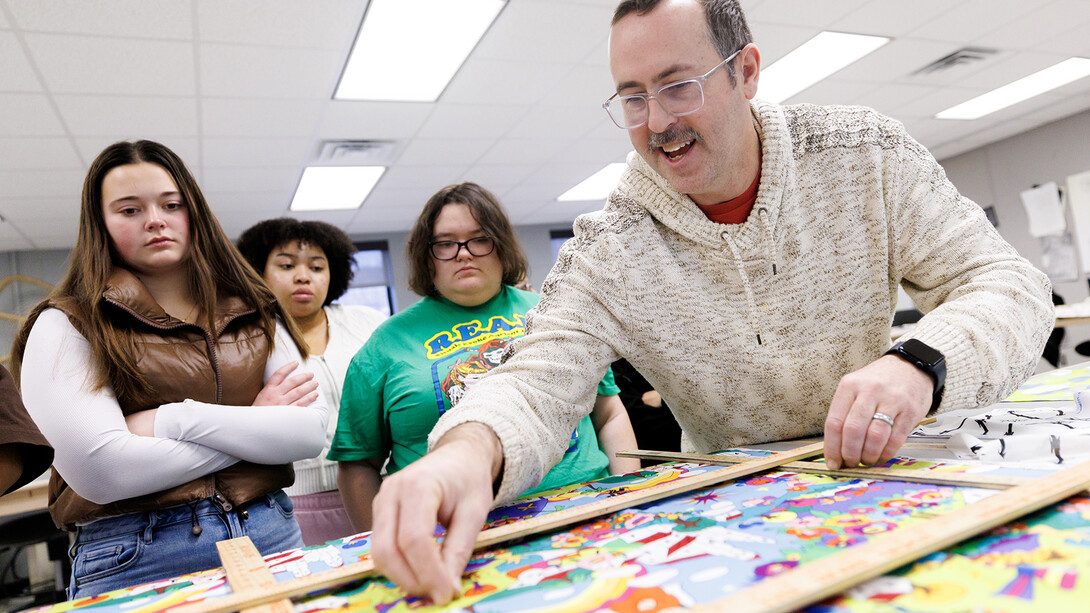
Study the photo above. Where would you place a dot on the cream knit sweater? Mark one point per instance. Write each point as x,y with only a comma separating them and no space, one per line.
747,329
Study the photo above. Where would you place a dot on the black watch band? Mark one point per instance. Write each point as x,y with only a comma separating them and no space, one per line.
926,358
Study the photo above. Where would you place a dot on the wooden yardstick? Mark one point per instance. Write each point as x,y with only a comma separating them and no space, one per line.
247,572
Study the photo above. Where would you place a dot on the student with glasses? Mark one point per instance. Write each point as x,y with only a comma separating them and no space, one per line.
747,265
464,259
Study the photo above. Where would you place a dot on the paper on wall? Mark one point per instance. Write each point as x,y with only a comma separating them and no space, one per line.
1078,196
1044,210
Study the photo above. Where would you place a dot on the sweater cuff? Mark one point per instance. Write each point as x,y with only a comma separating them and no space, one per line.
962,388
517,471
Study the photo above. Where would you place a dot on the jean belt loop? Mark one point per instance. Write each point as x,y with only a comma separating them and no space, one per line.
153,518
270,500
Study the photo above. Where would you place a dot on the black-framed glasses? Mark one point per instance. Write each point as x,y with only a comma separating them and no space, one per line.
448,250
679,98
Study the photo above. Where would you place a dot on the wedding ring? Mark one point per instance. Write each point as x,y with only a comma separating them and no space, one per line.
883,417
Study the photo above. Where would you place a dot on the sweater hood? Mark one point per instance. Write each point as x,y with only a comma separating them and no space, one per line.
642,186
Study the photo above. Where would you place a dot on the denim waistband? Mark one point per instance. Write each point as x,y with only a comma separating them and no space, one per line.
142,520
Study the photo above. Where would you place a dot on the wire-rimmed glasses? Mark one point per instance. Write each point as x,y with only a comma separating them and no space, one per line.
448,250
679,98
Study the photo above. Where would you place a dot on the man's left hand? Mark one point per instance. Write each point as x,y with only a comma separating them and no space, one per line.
888,386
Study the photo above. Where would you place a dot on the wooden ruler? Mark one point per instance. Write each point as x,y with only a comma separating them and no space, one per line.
810,583
365,568
246,572
908,475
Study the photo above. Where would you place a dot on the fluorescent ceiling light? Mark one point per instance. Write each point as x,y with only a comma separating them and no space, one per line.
811,62
410,49
327,188
597,186
1025,88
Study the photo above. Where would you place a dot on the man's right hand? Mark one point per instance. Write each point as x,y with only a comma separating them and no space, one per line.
452,486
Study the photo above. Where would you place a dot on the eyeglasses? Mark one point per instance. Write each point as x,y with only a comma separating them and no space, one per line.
448,250
679,98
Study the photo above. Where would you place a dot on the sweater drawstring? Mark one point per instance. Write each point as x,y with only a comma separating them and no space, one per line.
770,243
745,283
762,216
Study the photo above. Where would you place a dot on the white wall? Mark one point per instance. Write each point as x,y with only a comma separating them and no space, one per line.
49,266
995,175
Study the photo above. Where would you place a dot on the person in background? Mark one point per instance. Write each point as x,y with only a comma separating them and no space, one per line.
168,380
653,424
308,265
747,264
24,452
463,258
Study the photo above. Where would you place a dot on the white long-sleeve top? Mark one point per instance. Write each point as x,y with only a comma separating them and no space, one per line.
103,462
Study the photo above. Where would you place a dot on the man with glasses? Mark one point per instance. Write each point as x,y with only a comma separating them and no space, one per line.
747,265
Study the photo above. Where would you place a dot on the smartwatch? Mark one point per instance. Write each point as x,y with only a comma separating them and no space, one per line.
926,358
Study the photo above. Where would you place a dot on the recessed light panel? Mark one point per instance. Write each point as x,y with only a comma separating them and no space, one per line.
812,61
410,49
1025,88
329,188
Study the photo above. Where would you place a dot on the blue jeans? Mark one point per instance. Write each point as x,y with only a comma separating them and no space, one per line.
126,550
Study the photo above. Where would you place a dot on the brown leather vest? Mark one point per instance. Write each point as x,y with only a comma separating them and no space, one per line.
223,364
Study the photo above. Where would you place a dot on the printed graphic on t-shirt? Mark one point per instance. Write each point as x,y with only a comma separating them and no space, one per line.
462,355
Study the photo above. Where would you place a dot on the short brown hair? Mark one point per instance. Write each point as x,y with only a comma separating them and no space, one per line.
727,29
487,211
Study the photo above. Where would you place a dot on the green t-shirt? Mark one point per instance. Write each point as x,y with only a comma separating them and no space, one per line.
415,367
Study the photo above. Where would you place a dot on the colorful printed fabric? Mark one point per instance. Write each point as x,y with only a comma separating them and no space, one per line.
1054,385
702,546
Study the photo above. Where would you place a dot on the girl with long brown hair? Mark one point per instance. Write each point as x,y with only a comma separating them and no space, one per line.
168,380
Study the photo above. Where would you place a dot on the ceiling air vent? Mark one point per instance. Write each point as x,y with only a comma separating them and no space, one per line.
357,152
960,58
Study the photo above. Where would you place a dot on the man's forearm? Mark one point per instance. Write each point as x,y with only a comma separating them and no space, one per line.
481,439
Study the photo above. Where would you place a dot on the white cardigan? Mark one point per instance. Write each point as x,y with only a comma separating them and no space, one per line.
349,328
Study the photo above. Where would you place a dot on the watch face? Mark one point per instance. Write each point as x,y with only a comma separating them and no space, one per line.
919,350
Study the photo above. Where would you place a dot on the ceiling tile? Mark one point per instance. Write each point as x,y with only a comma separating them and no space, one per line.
545,33
832,91
471,120
284,23
583,86
808,13
890,17
240,179
776,40
889,97
153,19
77,65
426,151
485,81
422,177
972,19
373,120
128,116
38,152
558,122
187,148
259,118
523,151
1035,31
598,151
270,72
230,152
497,177
28,115
15,66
